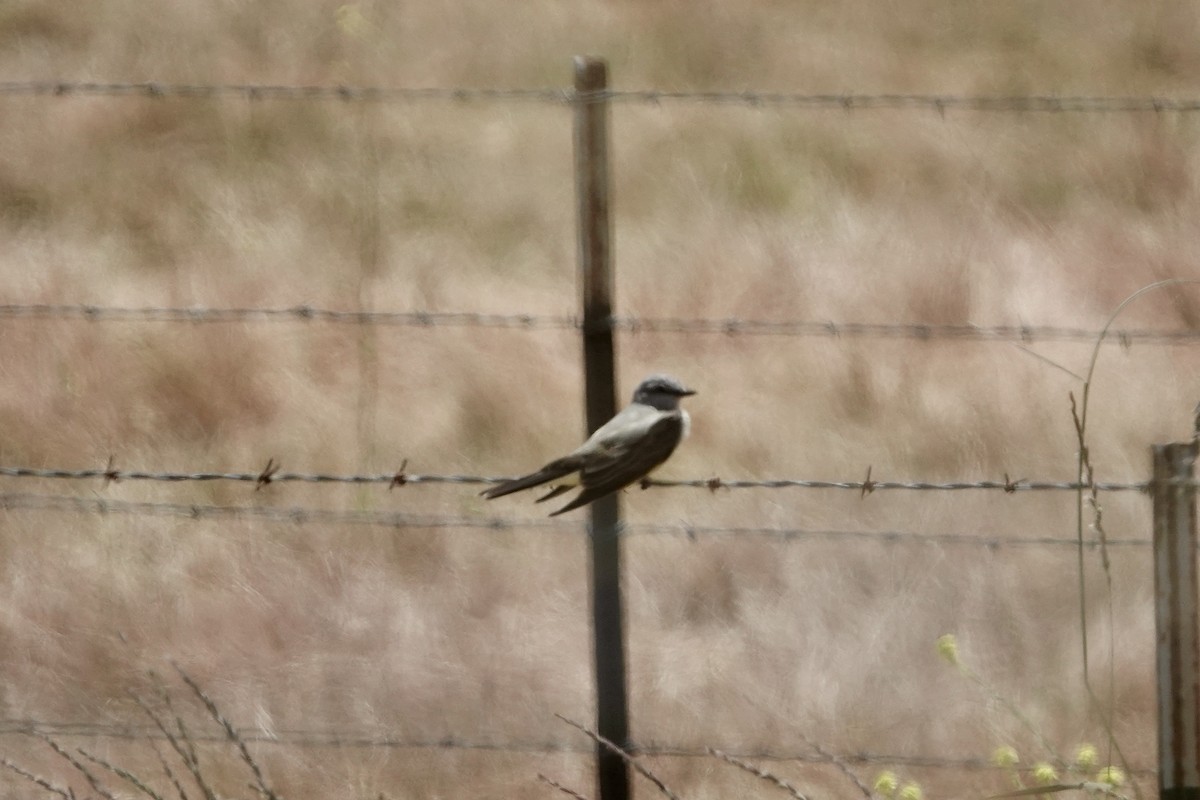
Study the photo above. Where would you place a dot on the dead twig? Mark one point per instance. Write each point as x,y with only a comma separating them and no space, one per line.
230,732
561,788
758,772
626,757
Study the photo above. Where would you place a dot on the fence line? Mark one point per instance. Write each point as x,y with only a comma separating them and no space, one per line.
939,103
471,319
308,515
271,474
378,739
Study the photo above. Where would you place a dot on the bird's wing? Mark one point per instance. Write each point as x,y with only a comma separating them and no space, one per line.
619,459
632,421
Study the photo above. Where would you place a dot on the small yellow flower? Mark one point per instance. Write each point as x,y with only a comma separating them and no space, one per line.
350,20
911,791
947,647
1044,773
1005,756
1086,756
1111,775
886,783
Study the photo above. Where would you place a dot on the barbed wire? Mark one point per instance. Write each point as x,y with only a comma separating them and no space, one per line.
298,515
271,473
158,89
868,485
301,313
845,101
731,326
381,739
267,475
307,515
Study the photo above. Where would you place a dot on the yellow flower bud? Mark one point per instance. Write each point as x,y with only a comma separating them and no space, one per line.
350,19
886,783
1086,756
1005,756
1111,775
911,791
1044,773
947,647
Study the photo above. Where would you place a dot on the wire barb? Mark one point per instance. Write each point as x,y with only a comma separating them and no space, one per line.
399,479
267,475
868,485
111,473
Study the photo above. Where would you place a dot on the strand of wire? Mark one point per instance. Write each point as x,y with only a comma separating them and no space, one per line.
306,515
380,739
728,326
271,473
848,101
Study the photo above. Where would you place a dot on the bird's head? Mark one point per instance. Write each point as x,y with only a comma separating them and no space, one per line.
661,392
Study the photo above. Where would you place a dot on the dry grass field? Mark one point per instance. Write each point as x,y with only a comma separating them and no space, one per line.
746,643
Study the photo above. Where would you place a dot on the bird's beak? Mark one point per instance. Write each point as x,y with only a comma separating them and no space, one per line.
687,393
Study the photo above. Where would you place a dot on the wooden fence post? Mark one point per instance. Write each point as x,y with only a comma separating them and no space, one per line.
1176,621
599,363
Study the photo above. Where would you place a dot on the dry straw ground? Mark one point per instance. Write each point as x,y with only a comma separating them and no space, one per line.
741,643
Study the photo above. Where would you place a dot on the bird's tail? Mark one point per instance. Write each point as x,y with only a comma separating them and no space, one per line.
562,488
550,472
581,499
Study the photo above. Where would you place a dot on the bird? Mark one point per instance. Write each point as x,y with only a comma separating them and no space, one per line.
625,449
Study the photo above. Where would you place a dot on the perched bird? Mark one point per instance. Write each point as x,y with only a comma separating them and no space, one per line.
625,449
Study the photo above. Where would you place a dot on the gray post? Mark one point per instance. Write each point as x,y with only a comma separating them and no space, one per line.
599,365
1176,621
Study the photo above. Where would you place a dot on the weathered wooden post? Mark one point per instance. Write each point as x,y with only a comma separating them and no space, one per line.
1176,620
599,364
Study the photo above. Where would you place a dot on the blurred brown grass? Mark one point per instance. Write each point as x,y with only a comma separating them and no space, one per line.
888,216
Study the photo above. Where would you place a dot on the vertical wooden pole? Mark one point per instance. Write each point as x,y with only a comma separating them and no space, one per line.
1176,621
599,364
